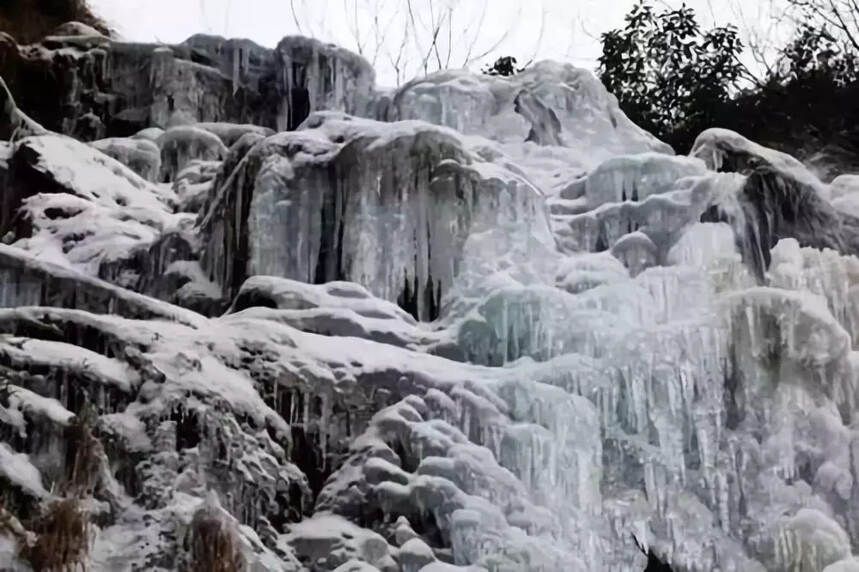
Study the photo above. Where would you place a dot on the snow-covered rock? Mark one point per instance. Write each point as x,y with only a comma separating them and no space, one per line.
182,144
140,155
727,151
73,205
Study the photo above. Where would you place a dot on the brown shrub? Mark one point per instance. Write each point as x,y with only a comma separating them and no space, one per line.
29,21
214,542
84,454
11,526
63,538
59,537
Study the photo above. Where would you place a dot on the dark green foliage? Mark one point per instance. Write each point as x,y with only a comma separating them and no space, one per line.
816,55
669,75
675,80
809,104
504,66
29,21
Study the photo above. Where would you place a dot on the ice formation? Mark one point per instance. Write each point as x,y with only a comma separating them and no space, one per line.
474,324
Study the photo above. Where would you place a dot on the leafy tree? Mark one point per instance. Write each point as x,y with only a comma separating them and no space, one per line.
839,19
816,54
670,76
809,104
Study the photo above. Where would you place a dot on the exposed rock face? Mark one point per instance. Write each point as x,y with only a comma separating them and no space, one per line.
115,89
541,343
13,121
110,88
778,199
245,62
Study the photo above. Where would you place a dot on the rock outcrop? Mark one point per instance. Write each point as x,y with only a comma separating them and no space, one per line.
109,88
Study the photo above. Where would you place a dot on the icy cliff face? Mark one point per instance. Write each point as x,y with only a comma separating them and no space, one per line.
388,206
554,118
490,325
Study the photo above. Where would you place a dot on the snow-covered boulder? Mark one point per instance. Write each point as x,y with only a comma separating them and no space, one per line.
72,29
636,177
140,155
229,133
182,144
724,150
333,309
73,205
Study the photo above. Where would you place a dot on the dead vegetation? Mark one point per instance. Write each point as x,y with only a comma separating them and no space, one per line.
84,455
12,527
29,21
62,538
214,544
59,538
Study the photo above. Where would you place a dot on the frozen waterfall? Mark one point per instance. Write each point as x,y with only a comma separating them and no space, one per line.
474,324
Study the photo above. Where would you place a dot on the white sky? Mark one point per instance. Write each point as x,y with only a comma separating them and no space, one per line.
570,28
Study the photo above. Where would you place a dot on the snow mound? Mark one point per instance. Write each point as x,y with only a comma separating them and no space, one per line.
547,104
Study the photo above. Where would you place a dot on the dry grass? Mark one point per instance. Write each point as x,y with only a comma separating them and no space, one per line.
63,531
29,21
11,526
84,454
63,538
215,545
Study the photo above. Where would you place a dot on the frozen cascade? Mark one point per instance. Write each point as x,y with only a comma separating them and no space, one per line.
636,177
314,76
475,324
328,203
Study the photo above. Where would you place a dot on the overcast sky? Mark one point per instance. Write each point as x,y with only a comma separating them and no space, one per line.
566,30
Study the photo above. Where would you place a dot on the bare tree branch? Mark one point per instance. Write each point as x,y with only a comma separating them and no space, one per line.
449,37
843,25
501,40
473,43
538,45
295,17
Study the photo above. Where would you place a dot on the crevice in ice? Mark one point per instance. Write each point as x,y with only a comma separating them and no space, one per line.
252,299
308,457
